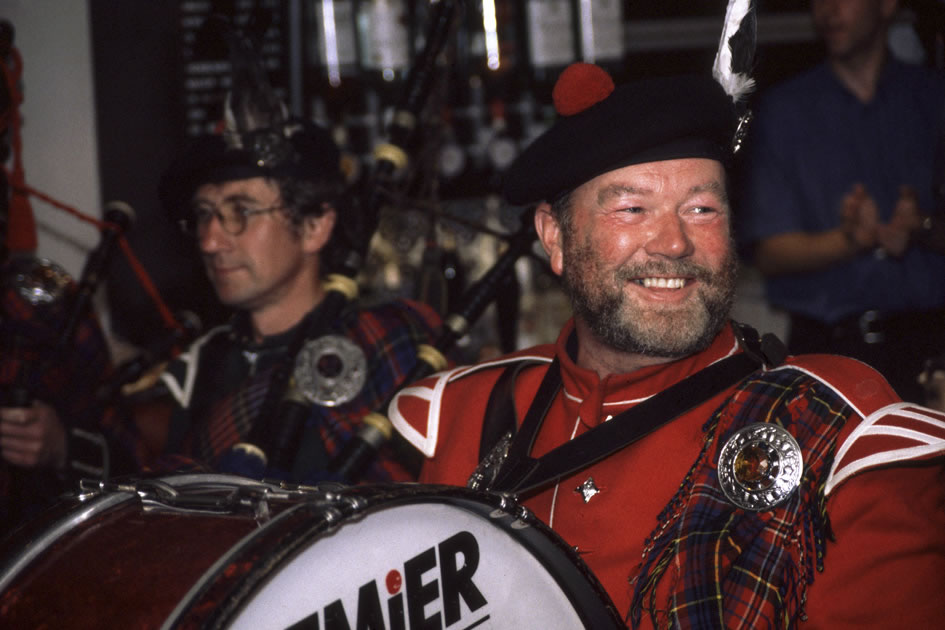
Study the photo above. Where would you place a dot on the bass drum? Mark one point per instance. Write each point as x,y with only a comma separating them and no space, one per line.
219,551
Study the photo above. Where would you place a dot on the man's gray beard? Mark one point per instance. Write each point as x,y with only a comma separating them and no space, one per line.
610,317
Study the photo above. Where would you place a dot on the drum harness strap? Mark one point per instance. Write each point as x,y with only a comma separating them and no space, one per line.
507,466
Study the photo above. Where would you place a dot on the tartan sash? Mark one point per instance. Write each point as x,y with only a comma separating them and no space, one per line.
727,567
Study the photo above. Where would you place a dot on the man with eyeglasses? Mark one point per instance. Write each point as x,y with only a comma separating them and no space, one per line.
265,226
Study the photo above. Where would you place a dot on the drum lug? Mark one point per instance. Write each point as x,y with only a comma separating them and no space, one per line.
261,511
91,488
523,518
332,516
488,469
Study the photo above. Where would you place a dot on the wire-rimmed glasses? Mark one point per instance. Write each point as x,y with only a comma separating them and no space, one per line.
233,218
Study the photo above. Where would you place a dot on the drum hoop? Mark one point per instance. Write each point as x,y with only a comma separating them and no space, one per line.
211,573
36,548
212,479
215,569
562,563
193,479
97,504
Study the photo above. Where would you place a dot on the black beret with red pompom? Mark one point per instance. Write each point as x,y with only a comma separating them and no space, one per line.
601,127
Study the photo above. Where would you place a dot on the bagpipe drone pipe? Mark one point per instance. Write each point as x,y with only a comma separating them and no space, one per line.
272,442
272,445
358,453
55,352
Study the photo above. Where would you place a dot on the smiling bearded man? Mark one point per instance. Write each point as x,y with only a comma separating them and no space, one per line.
705,478
598,298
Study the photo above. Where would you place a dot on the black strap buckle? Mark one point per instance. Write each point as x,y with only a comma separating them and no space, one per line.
766,349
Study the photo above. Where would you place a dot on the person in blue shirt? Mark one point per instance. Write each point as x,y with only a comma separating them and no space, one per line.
843,198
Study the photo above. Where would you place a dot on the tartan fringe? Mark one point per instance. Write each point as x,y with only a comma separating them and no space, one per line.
665,543
738,566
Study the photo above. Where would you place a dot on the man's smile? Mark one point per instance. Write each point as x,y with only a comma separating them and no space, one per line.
661,283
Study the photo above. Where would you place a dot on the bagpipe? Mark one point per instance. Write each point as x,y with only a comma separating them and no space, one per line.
55,352
55,349
273,441
52,346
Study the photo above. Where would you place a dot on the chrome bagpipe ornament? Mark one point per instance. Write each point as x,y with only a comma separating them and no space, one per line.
34,290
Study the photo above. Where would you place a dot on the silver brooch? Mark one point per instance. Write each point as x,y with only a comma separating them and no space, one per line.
488,469
741,131
330,370
588,489
760,466
268,147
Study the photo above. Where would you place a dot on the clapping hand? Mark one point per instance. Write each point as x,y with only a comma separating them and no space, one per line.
894,236
863,229
860,219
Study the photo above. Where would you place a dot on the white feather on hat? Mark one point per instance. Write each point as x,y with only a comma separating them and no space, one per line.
735,56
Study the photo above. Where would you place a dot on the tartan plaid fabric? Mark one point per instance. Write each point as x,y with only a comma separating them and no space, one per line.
65,377
730,568
230,393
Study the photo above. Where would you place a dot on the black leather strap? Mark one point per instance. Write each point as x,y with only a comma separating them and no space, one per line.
522,473
501,416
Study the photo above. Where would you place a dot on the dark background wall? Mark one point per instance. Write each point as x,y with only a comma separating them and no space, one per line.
141,85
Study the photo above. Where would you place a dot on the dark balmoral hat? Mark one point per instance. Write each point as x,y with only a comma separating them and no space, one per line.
602,127
644,121
258,137
297,149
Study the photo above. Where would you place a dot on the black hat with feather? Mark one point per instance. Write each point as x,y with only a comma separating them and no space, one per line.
259,139
602,127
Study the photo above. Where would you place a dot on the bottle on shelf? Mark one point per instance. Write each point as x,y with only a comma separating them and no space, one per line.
600,32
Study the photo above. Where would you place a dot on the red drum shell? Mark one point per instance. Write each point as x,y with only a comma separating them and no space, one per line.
124,569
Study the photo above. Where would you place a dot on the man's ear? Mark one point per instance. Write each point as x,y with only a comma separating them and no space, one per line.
549,233
317,230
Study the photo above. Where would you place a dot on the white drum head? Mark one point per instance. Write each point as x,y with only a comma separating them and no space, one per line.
416,565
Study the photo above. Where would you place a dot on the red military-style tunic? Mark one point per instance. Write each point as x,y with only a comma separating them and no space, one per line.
885,490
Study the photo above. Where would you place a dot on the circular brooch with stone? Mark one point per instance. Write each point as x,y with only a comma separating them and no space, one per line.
760,466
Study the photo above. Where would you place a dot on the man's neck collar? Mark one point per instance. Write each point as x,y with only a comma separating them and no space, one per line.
591,354
245,331
861,74
286,316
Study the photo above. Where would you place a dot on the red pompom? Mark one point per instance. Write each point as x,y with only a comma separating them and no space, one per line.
580,86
